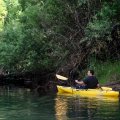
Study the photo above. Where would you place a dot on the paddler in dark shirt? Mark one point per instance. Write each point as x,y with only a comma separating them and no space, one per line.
90,81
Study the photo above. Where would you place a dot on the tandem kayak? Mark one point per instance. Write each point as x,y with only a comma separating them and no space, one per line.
105,91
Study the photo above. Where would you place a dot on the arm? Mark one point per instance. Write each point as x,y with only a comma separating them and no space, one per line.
79,82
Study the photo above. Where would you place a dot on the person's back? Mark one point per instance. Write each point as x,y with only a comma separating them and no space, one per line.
91,82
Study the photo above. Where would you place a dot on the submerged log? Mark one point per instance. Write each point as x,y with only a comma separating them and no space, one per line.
115,85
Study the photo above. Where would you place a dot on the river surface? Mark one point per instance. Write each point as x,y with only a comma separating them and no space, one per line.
24,105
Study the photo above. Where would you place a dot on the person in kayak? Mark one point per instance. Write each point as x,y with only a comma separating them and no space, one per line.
89,82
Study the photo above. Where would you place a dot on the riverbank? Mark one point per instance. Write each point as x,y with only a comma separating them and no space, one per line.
108,73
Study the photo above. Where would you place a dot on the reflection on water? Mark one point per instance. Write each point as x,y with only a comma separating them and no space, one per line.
21,104
86,108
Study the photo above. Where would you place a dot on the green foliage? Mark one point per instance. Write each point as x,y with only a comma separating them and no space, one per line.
100,25
98,29
13,10
11,39
3,13
40,34
28,37
107,71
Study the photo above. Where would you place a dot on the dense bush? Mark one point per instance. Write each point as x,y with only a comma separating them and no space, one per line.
40,34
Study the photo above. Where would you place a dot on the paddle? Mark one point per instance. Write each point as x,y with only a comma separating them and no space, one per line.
61,77
65,78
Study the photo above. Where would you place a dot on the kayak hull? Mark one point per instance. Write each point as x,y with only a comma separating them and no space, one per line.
88,92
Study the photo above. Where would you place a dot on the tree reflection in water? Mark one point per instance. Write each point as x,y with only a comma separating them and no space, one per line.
73,107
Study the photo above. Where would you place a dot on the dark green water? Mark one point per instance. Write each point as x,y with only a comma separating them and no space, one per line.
23,105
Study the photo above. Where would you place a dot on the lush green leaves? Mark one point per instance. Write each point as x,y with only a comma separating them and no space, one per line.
27,40
40,34
3,13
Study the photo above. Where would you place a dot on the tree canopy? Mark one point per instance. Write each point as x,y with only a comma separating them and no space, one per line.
49,34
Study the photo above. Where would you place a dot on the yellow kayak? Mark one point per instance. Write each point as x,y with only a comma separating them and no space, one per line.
105,91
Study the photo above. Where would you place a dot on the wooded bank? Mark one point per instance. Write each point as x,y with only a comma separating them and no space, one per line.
60,36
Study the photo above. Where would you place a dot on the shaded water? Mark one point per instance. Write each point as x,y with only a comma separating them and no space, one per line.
23,105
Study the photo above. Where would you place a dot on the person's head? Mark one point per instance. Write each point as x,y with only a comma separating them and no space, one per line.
90,72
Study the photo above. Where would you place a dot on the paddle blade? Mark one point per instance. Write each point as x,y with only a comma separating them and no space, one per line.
61,77
106,88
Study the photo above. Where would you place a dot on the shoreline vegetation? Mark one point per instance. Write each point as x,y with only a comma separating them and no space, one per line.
108,74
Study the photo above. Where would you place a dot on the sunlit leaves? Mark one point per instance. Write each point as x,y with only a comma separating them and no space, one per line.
3,13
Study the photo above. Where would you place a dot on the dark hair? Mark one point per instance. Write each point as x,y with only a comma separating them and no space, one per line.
92,72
